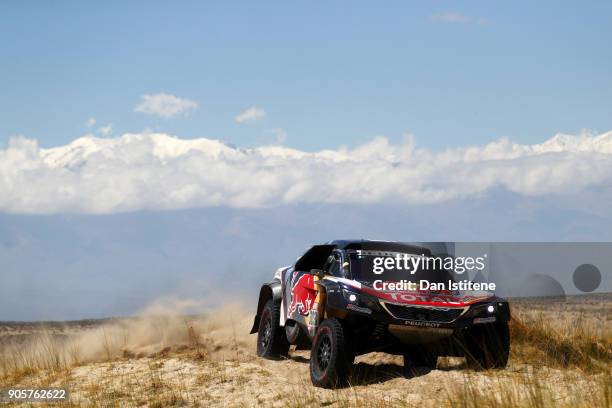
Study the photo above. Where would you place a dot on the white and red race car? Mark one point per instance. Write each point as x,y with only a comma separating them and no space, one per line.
327,301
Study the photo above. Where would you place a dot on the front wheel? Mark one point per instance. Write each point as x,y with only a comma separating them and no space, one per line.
271,339
331,359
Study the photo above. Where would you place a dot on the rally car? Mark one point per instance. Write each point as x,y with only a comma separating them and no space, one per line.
326,302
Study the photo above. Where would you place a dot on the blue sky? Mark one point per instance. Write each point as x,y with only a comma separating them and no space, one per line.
327,74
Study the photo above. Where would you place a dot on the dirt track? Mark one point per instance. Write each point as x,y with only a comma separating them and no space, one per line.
211,362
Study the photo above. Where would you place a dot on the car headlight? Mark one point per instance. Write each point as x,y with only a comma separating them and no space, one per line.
486,309
350,296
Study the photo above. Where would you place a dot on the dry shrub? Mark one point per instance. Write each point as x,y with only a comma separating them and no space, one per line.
533,337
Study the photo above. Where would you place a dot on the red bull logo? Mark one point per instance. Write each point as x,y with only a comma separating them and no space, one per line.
303,293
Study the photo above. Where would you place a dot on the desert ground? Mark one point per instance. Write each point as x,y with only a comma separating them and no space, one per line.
561,356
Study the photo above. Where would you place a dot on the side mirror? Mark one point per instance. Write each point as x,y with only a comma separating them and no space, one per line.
317,272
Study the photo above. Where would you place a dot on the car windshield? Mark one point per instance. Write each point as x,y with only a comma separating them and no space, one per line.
396,266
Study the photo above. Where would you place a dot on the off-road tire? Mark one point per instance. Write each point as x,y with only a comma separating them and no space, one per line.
331,358
488,346
271,340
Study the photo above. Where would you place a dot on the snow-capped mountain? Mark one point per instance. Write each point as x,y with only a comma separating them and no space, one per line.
158,171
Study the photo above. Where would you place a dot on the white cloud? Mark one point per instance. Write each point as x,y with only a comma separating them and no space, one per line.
451,17
157,171
164,105
106,130
250,115
90,122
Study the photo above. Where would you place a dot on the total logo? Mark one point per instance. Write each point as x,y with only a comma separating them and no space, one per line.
409,297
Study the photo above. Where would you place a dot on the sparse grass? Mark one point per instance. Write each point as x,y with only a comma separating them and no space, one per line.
205,378
535,341
43,355
529,390
168,399
93,389
308,396
17,375
194,340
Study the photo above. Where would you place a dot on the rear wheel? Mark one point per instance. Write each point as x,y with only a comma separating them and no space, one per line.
488,346
271,339
331,359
